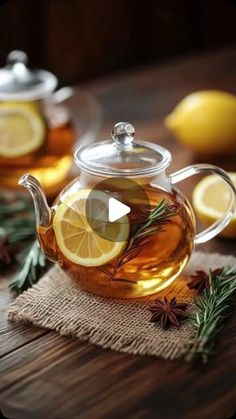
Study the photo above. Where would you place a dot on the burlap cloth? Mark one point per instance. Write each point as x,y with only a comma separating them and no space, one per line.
57,303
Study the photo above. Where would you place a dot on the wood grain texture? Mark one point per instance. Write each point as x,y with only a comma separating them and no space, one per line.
12,336
45,375
60,375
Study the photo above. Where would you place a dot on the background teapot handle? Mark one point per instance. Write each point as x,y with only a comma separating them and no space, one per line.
62,94
220,224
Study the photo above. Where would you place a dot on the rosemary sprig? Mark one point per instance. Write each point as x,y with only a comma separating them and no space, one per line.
156,218
17,220
141,236
34,264
212,309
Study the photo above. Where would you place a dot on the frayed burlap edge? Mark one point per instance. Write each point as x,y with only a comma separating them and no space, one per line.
57,303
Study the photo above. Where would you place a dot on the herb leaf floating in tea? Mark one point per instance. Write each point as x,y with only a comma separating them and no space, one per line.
141,236
213,307
156,219
168,312
32,268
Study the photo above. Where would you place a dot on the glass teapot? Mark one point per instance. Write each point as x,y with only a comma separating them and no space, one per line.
122,229
37,128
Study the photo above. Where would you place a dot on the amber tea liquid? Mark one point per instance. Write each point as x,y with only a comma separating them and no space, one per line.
151,269
50,163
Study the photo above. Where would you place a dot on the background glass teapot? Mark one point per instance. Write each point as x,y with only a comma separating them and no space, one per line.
37,127
121,229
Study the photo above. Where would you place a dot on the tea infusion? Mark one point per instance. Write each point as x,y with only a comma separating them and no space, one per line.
38,139
152,257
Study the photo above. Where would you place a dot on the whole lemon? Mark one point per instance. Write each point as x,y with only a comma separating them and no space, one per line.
205,121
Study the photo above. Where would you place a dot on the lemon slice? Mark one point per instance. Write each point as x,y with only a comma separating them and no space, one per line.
22,130
77,240
210,200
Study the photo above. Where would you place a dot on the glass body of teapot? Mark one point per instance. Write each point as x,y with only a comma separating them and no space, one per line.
122,229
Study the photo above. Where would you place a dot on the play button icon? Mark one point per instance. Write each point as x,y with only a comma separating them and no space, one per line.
116,210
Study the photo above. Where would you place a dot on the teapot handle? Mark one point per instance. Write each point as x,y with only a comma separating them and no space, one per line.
62,94
220,224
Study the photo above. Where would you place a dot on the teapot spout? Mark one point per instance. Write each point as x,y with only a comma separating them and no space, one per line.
42,210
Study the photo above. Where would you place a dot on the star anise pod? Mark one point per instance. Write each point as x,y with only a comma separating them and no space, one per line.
6,251
168,312
217,272
201,280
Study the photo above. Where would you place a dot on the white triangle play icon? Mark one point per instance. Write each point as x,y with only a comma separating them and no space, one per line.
116,210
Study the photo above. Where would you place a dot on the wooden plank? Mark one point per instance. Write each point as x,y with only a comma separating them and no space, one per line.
13,336
62,377
53,376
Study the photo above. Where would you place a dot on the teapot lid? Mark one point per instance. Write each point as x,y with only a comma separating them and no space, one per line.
123,156
19,82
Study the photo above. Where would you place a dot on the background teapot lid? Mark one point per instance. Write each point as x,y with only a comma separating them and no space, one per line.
19,82
123,156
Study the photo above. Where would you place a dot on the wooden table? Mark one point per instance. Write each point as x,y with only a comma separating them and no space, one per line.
43,375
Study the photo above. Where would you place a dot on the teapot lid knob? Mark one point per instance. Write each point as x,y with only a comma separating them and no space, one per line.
20,82
17,61
17,56
123,134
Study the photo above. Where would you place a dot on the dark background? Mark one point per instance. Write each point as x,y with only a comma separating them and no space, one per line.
82,39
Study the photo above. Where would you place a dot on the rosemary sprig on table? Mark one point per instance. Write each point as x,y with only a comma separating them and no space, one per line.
33,266
17,220
17,225
212,309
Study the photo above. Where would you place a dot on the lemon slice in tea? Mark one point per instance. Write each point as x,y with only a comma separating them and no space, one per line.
22,130
210,200
77,240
